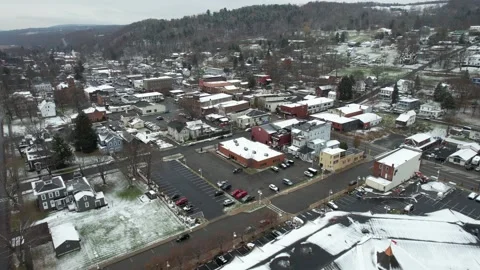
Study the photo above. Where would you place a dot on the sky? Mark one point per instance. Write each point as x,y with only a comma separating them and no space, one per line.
19,14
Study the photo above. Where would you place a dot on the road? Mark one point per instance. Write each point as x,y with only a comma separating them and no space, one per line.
4,219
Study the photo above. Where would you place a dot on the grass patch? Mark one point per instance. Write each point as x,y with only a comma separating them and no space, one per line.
30,208
130,193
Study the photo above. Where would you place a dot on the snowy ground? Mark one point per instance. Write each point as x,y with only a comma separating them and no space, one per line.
110,231
25,125
93,158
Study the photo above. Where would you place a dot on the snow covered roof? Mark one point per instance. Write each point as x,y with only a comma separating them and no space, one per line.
404,117
250,149
419,137
62,233
330,117
149,94
367,117
316,101
81,194
400,156
214,97
333,151
474,146
464,154
348,110
285,123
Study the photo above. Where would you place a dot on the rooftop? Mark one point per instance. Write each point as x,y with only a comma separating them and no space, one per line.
214,97
62,233
404,117
249,149
285,123
158,78
333,151
316,101
149,94
367,117
330,117
420,137
47,184
399,156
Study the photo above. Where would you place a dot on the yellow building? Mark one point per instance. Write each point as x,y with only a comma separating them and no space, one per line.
334,159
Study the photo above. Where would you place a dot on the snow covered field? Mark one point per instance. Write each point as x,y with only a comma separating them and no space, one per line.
24,126
126,224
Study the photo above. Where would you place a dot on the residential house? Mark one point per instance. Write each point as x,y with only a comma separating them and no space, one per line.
332,95
44,90
109,141
405,86
370,82
386,93
177,130
462,156
368,120
431,110
65,239
421,141
360,86
308,131
47,108
394,168
325,90
147,108
339,123
250,118
50,192
407,104
82,196
334,159
406,119
38,157
193,130
135,123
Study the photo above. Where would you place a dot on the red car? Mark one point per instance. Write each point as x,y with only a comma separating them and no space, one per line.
241,194
181,201
236,191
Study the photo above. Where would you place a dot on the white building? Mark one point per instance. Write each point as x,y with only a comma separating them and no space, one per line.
368,120
332,95
47,109
473,61
462,156
146,108
431,110
317,104
150,96
406,119
302,133
208,101
386,92
404,86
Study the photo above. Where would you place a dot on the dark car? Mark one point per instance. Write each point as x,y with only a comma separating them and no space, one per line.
159,118
248,198
237,170
220,260
226,186
183,237
352,183
175,197
218,193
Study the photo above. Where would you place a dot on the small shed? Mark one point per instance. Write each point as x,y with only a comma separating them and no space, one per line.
65,239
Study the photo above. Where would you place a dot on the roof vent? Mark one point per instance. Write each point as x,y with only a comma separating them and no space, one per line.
254,151
235,141
266,154
245,148
236,144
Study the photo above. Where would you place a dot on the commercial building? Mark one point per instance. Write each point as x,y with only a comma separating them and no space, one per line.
275,134
394,168
250,118
339,123
334,159
346,111
422,141
302,133
161,84
91,92
250,154
146,108
368,120
316,105
150,97
232,106
295,110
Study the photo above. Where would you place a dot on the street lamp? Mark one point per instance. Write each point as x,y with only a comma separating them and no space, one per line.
358,180
330,194
234,236
168,265
260,196
200,170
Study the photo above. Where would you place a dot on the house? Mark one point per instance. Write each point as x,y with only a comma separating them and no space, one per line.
47,109
147,108
149,97
65,239
135,123
347,111
407,104
38,157
368,120
462,156
193,130
405,86
370,81
108,141
431,110
250,118
334,159
332,95
360,86
421,141
304,132
250,154
406,119
394,168
176,129
276,134
386,93
82,197
50,192
339,123
91,92
364,108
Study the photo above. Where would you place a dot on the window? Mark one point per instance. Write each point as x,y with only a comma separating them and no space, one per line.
57,193
85,198
43,197
50,195
52,203
45,205
86,204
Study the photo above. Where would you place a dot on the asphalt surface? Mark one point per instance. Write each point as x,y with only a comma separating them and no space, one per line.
173,177
4,229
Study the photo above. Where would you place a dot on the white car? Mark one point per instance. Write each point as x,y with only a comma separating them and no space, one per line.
477,199
307,173
228,202
275,169
221,183
472,196
477,169
273,187
332,205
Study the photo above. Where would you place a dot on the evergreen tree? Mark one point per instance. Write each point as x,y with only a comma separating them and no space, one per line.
462,40
343,36
417,87
235,62
84,136
62,153
252,82
439,93
395,94
345,88
337,37
78,70
466,75
448,102
343,145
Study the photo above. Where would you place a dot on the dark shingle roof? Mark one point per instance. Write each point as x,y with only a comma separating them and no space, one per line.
178,125
46,185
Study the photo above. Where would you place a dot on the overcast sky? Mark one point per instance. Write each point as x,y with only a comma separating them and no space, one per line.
18,14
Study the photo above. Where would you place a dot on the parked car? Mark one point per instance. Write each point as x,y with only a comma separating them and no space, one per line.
287,182
235,192
175,197
220,260
352,183
332,205
307,173
283,166
472,195
477,169
275,169
218,193
248,198
248,129
221,183
181,201
477,199
237,170
188,208
241,195
183,237
273,187
159,118
228,202
226,186
289,162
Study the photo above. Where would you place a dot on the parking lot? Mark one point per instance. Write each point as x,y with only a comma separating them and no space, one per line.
423,203
173,177
216,168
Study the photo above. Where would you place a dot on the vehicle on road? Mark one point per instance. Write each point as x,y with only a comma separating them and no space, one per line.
226,186
477,199
477,169
183,237
175,197
287,182
237,170
352,183
273,187
228,202
273,168
248,198
159,118
242,194
181,201
218,193
188,208
332,205
312,171
307,173
221,183
289,162
472,195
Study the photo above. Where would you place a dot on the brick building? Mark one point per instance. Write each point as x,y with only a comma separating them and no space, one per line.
275,134
160,84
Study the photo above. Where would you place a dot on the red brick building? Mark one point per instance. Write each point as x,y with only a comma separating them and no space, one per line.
294,110
96,114
250,154
275,134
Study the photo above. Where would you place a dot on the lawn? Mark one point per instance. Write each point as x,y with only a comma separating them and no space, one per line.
125,225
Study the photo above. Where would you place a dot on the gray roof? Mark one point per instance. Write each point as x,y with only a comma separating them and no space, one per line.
142,104
178,125
79,184
254,113
48,183
270,129
307,126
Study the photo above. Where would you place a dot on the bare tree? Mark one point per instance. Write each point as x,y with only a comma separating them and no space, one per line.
147,160
129,159
102,163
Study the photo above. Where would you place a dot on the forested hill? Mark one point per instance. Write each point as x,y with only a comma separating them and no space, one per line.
211,29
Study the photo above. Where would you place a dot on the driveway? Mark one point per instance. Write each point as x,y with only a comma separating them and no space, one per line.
174,178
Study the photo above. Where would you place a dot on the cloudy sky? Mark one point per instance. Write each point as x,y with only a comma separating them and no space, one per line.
18,14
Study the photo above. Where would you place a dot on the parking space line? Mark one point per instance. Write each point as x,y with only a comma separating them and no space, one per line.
454,206
310,214
463,208
469,214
